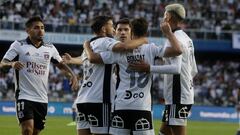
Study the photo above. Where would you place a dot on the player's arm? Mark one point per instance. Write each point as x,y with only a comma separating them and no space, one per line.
68,59
174,68
92,56
69,74
10,55
175,48
129,45
14,64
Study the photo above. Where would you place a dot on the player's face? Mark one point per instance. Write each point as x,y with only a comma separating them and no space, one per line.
36,31
109,28
123,32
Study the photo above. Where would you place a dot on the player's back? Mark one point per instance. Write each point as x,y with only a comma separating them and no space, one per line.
179,88
97,84
133,92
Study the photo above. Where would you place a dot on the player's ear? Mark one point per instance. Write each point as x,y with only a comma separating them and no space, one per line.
103,29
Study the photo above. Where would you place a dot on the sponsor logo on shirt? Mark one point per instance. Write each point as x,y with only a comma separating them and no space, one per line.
36,68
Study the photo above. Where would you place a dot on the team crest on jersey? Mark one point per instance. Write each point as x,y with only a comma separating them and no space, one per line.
20,115
46,56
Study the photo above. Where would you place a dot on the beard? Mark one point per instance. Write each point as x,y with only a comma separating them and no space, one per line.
39,38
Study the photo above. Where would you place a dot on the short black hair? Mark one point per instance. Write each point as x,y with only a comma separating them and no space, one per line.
139,27
98,22
32,20
123,21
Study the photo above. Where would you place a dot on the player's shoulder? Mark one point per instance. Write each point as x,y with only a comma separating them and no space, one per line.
148,45
20,42
181,34
109,39
48,44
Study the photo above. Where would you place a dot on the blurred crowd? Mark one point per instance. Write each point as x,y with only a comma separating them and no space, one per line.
208,15
217,83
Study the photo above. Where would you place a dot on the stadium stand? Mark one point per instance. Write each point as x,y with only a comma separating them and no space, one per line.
205,19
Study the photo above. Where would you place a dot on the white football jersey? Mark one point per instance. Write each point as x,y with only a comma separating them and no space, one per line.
98,85
31,82
178,88
133,92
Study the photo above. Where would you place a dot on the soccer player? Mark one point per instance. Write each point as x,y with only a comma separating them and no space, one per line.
132,106
123,30
31,58
178,88
97,91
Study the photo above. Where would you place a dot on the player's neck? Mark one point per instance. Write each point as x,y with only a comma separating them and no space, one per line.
36,43
101,34
174,26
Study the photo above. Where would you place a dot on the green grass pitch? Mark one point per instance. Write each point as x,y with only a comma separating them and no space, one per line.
58,126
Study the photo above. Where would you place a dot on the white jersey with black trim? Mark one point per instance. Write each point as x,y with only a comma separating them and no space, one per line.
98,85
31,82
133,92
178,88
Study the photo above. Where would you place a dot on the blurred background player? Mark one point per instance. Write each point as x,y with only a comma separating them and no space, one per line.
31,58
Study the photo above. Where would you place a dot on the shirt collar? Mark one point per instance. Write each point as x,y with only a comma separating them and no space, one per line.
31,43
176,29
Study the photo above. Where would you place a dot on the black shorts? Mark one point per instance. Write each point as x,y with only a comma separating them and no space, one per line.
136,121
176,114
94,116
31,110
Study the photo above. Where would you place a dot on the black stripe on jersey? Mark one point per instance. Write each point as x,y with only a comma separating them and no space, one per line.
176,89
17,79
54,61
107,84
117,69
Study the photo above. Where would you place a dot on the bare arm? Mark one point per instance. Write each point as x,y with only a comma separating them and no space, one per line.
129,45
92,57
14,64
175,48
68,59
69,73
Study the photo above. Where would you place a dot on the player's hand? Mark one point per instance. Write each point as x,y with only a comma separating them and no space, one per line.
140,66
74,83
165,28
66,58
17,65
